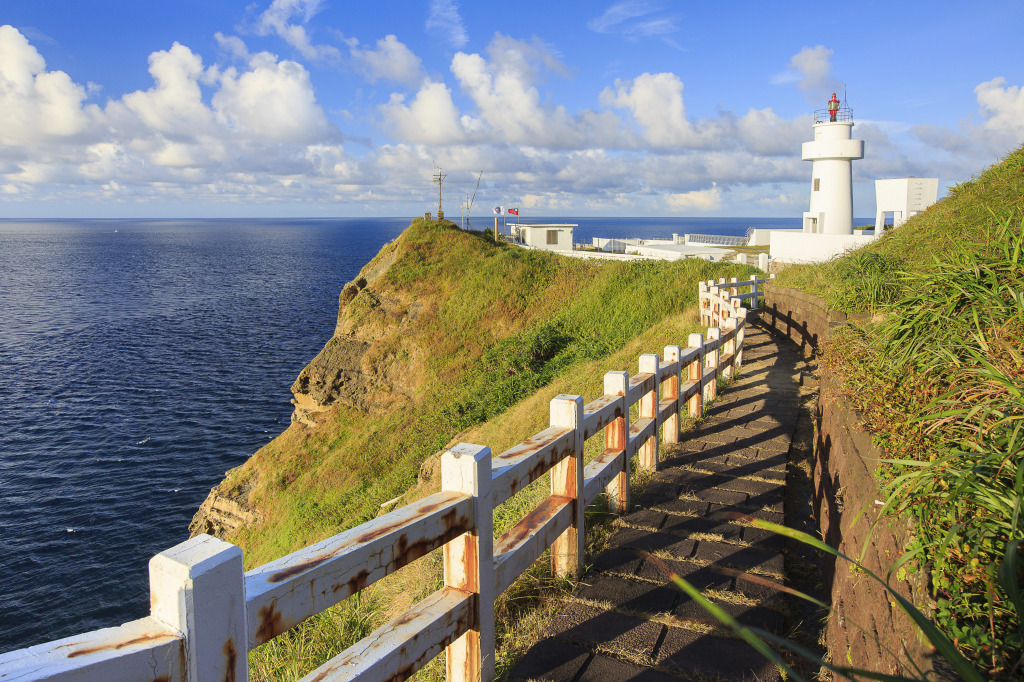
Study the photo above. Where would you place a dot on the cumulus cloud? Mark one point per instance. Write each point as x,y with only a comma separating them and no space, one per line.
390,60
278,19
655,101
997,127
444,20
431,117
811,70
232,45
37,105
261,124
1002,107
272,101
706,200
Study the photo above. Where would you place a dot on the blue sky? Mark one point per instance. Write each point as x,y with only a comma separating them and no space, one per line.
193,108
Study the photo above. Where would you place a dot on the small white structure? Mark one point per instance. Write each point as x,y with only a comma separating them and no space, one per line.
903,198
832,154
549,236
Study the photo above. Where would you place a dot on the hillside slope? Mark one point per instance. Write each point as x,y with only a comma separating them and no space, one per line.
939,380
441,331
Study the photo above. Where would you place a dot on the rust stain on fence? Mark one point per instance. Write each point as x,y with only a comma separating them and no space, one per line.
231,658
270,623
113,646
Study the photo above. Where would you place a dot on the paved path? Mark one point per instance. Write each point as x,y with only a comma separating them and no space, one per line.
625,621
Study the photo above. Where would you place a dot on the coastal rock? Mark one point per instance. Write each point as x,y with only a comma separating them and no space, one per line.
225,511
366,364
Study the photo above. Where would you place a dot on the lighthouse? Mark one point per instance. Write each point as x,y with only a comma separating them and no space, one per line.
831,155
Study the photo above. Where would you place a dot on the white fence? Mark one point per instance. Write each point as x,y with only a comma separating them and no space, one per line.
718,301
207,613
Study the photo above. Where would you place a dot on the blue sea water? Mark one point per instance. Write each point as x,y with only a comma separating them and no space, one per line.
139,361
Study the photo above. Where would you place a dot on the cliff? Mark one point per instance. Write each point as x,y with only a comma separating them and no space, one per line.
442,331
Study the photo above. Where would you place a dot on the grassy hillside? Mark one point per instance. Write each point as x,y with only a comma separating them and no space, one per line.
940,381
492,324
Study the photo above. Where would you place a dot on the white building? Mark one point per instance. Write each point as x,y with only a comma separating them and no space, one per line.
903,198
550,236
831,155
828,224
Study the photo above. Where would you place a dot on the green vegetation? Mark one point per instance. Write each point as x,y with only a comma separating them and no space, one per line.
939,381
497,332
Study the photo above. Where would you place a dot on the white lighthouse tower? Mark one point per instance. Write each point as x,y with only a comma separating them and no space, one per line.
831,155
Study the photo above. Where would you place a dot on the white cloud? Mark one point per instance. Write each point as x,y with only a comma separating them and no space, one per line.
632,18
762,131
445,20
272,101
430,118
656,102
233,45
706,200
390,60
175,104
37,105
811,70
277,20
1002,108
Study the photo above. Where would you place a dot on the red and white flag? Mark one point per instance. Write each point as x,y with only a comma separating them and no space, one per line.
513,211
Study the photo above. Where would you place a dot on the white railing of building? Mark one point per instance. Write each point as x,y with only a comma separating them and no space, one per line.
716,239
207,612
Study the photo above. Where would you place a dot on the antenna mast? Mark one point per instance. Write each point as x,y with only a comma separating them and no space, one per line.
439,177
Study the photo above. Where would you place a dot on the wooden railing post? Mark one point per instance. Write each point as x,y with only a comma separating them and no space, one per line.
694,370
567,481
702,302
741,336
469,562
671,433
616,437
729,372
198,588
715,310
734,289
711,389
649,410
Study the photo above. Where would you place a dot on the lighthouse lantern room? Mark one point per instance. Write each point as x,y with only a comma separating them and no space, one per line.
831,155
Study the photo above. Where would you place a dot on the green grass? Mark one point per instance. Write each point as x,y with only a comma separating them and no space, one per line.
940,382
499,331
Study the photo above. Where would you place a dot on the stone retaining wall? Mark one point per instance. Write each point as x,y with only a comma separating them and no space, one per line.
866,629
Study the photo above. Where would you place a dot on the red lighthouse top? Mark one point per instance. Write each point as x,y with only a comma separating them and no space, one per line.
833,108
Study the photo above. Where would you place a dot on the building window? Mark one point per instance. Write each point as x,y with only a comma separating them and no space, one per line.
817,184
552,236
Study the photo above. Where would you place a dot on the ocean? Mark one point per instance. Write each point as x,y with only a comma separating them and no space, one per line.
139,361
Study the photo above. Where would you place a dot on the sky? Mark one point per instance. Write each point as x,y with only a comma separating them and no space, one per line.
333,108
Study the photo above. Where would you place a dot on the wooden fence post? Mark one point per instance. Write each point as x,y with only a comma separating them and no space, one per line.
671,434
616,437
730,349
714,312
702,302
694,371
741,336
711,390
567,481
198,588
469,561
734,289
649,410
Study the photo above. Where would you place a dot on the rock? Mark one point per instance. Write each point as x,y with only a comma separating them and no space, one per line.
223,512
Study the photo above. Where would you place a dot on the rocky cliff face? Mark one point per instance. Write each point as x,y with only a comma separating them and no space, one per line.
367,363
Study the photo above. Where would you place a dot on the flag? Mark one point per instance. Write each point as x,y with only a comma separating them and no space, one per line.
513,211
498,210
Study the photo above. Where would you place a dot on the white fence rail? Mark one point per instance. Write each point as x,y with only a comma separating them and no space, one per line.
207,613
718,301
